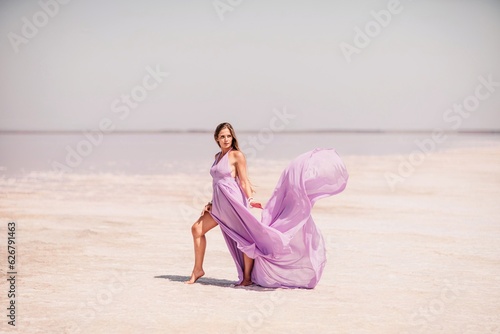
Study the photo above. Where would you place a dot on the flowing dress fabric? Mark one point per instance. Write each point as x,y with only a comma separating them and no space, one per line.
288,249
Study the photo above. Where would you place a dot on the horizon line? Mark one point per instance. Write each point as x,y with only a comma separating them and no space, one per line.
304,131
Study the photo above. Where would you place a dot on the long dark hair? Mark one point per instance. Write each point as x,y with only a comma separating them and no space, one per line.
234,143
228,126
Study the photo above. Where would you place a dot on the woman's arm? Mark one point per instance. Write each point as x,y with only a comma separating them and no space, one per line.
241,171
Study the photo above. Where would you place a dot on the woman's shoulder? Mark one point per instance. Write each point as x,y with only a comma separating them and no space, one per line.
237,155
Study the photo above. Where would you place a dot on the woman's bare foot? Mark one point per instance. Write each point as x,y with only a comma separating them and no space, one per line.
195,276
245,282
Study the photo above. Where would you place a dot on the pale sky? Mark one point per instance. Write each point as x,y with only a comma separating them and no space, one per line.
81,62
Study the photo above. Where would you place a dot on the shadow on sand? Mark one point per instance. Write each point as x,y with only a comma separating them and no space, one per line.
214,281
204,280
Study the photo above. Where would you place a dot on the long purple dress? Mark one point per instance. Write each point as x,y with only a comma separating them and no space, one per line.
288,249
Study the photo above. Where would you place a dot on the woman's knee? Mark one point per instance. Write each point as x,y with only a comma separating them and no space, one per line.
196,230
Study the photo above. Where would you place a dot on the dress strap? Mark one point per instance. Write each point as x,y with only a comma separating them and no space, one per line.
218,158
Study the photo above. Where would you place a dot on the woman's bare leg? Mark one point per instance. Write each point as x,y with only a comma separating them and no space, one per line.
247,271
204,224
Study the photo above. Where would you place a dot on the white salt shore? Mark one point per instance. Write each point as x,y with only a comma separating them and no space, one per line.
108,253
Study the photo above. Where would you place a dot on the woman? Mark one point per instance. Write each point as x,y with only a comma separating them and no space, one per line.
232,171
284,249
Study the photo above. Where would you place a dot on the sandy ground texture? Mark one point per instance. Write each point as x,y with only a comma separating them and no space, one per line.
108,253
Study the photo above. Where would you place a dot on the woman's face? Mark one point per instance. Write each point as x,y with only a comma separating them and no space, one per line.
225,139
